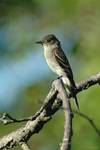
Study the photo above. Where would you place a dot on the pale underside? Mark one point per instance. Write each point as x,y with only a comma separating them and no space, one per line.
54,65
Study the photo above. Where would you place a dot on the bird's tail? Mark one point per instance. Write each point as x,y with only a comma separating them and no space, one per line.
76,101
72,91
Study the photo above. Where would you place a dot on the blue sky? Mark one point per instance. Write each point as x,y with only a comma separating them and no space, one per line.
15,75
31,68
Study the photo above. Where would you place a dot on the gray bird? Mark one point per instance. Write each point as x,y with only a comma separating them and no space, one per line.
58,62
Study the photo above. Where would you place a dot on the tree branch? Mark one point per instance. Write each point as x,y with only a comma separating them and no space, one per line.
62,94
25,146
34,125
85,84
37,121
7,119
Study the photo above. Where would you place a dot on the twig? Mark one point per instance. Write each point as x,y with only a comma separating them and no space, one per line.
89,120
7,119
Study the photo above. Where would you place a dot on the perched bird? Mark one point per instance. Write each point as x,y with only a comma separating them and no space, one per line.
58,62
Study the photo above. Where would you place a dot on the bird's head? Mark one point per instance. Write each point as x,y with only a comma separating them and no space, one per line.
49,40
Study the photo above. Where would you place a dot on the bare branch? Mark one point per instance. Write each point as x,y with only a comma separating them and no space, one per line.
37,121
89,120
7,119
85,84
33,126
62,94
25,146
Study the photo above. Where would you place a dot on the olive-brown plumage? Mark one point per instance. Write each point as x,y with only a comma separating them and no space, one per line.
58,62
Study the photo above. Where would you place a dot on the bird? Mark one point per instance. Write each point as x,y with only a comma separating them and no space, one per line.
58,63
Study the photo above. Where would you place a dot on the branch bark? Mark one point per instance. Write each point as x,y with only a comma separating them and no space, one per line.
62,94
85,84
37,121
25,146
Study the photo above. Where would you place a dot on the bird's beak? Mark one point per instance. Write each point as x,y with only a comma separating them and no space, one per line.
39,42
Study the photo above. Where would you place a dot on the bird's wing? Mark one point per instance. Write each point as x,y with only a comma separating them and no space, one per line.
64,63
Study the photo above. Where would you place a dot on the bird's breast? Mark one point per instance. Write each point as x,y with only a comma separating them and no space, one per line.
54,65
51,61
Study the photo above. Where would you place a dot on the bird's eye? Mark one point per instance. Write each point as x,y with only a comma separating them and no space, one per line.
49,40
